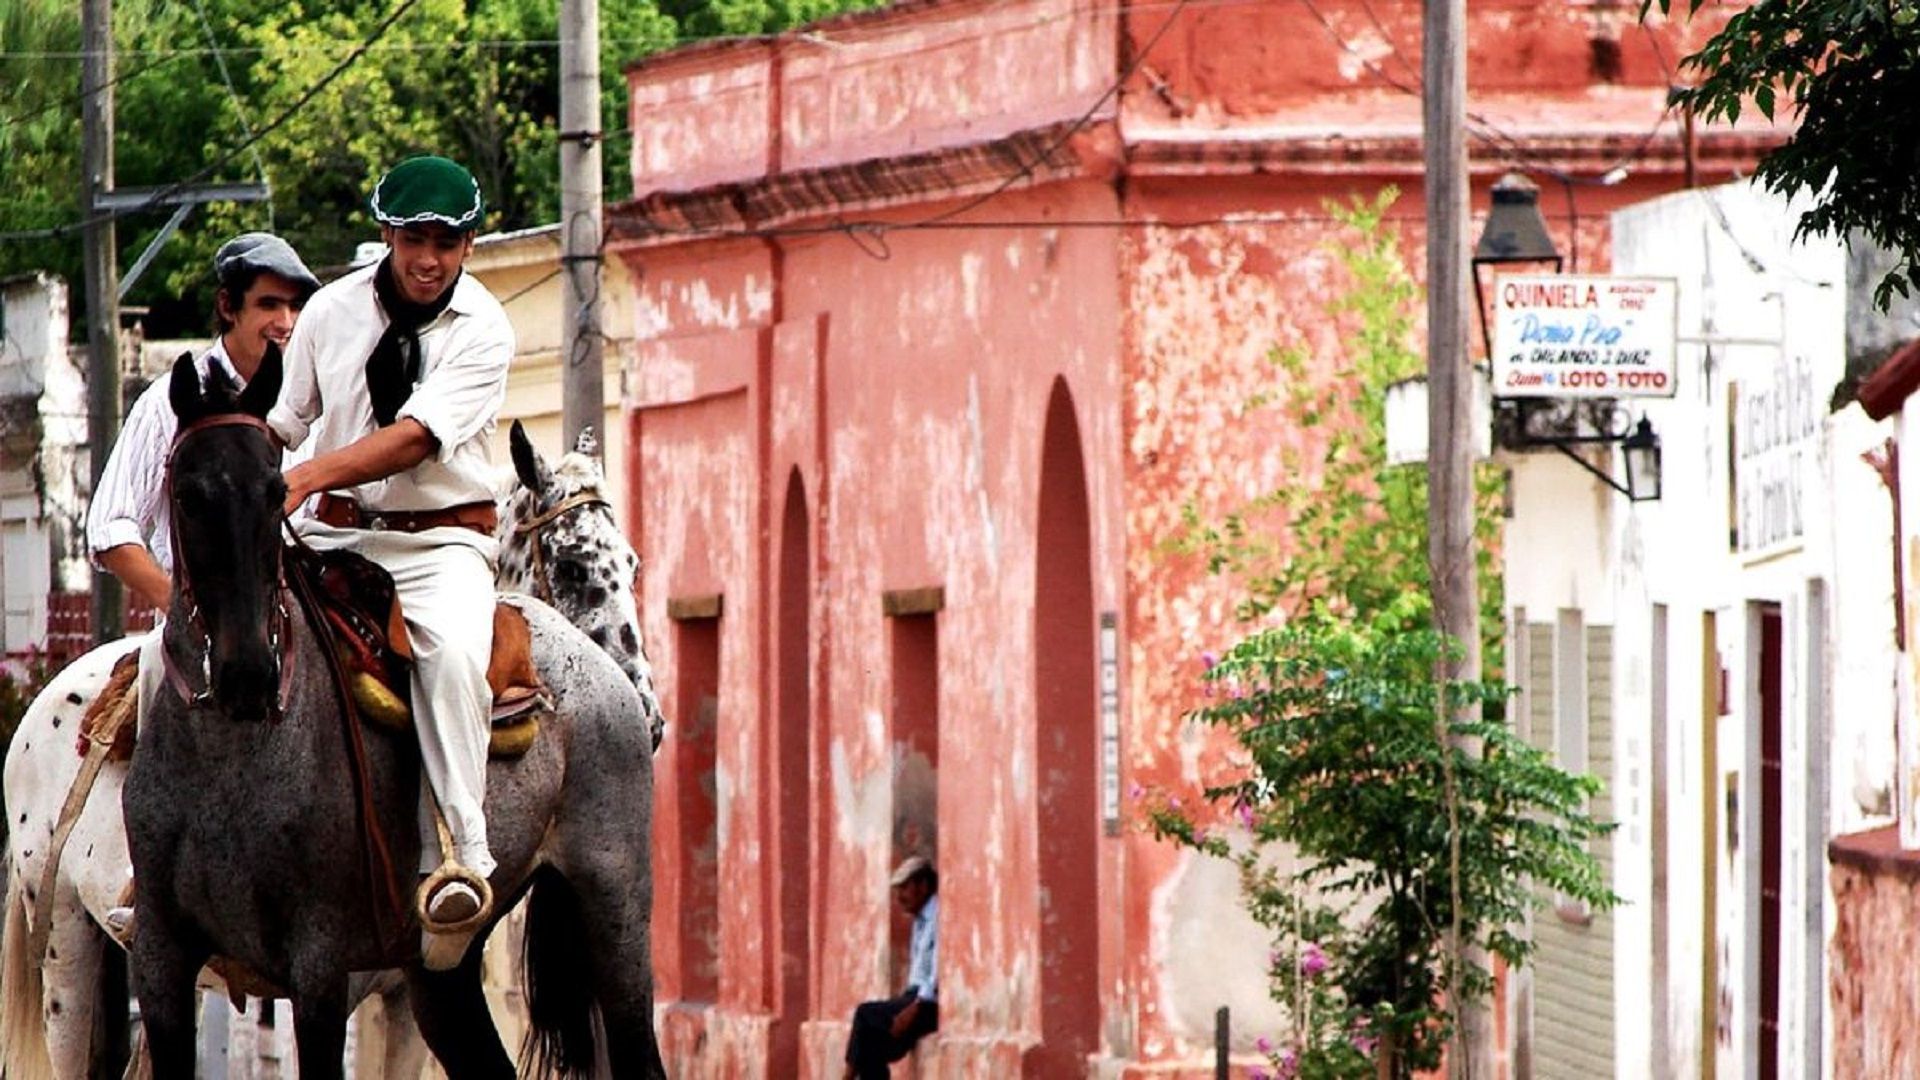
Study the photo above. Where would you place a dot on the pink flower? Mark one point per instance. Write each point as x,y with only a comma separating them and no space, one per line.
1365,1044
1258,1073
1208,660
1243,813
1312,960
1263,1044
1135,791
1289,1066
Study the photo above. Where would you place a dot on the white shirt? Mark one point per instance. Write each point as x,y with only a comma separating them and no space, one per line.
923,954
463,383
129,504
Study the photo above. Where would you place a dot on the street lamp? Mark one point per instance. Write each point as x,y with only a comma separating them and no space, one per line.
1515,233
1641,450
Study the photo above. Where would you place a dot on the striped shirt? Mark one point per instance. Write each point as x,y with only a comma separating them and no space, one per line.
129,504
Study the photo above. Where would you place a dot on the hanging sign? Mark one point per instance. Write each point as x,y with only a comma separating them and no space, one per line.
1583,335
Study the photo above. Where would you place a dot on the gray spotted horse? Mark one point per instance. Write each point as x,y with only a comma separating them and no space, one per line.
558,541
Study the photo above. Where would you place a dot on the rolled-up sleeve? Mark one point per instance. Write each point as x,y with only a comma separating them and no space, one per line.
464,389
292,416
126,501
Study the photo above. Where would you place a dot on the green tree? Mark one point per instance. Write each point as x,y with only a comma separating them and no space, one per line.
1337,714
1848,71
1354,527
477,80
1354,745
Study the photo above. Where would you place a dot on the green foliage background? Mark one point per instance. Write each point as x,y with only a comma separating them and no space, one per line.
476,80
1847,73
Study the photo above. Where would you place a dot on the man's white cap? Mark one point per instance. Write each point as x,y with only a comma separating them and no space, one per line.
909,866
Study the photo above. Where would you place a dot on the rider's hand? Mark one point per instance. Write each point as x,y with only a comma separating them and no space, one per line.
299,487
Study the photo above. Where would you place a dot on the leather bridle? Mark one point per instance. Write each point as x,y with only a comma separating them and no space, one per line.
537,525
279,630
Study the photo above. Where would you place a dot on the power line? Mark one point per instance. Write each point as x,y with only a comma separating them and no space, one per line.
239,107
163,193
828,36
70,100
1026,168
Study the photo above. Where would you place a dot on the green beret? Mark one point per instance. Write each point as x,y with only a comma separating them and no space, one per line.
428,189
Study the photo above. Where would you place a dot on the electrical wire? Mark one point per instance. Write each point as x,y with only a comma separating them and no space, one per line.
160,196
239,107
70,100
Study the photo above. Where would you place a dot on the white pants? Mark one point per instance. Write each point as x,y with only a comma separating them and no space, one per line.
445,580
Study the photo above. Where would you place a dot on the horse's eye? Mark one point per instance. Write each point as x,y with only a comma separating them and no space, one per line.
193,494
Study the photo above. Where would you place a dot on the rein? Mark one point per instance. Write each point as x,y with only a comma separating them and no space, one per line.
536,525
279,632
383,903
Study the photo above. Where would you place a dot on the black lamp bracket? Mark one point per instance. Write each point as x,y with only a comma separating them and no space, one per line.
1533,423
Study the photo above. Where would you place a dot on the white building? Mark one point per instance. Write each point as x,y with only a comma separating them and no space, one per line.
1724,658
43,461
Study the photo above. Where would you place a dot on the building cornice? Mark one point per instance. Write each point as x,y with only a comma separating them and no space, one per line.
806,199
1035,156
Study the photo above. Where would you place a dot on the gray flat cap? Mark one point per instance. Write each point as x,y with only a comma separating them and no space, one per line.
264,252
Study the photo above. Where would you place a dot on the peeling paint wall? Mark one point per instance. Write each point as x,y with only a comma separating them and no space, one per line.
879,400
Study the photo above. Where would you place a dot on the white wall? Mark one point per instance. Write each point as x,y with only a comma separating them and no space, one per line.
1756,311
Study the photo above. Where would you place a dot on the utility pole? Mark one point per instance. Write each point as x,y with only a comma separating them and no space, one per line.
102,270
1450,442
582,394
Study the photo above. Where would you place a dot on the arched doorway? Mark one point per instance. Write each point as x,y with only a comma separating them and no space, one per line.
1067,751
790,960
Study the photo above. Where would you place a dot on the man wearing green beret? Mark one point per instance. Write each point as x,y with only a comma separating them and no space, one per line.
397,374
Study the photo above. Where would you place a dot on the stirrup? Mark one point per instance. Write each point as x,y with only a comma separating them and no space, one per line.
450,874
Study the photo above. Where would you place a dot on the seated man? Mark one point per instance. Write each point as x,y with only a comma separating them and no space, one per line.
886,1031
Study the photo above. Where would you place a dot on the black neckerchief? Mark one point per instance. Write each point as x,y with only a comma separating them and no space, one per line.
394,365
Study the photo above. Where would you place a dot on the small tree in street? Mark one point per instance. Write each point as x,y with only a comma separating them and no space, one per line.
1337,717
1369,834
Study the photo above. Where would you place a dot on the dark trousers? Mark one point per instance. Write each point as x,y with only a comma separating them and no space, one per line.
871,1046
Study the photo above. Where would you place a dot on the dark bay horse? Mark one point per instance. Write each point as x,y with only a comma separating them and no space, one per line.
244,809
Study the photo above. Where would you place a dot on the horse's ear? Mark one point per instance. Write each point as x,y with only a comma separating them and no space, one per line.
264,388
527,464
585,443
183,390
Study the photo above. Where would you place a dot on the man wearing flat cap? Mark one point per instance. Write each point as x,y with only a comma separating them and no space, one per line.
396,376
262,287
887,1030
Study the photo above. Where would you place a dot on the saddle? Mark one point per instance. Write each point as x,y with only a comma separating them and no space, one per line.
361,610
367,635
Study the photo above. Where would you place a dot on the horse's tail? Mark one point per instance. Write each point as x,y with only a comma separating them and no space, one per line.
558,968
23,1030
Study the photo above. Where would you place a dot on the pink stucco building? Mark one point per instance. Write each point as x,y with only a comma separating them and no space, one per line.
943,312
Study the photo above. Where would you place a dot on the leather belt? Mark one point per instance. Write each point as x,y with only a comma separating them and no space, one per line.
343,513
